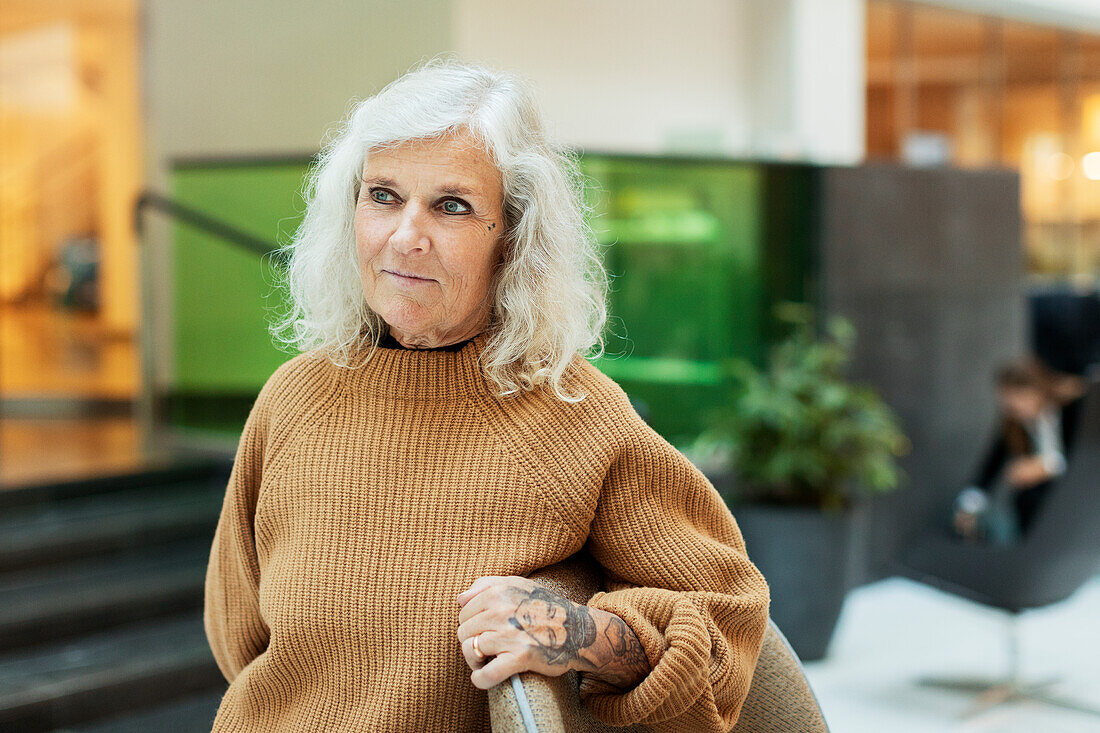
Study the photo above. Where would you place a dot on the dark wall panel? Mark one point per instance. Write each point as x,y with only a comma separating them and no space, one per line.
928,265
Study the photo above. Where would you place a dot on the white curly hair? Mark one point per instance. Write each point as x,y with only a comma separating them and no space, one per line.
550,290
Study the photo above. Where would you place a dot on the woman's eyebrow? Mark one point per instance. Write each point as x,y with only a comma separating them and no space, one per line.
455,189
380,181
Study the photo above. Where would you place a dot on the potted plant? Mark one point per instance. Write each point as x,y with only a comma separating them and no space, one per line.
794,451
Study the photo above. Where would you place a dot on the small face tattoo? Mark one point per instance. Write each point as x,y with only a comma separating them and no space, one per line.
492,226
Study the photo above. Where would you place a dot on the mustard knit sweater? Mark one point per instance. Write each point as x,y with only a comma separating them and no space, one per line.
362,501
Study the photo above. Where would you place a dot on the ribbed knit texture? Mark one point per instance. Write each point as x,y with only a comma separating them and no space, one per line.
362,501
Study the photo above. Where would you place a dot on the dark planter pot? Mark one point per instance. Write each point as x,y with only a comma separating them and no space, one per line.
808,557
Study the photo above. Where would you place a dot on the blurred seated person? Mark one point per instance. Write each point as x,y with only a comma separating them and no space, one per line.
1038,410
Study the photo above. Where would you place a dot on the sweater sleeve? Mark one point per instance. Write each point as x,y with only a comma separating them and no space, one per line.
678,574
234,627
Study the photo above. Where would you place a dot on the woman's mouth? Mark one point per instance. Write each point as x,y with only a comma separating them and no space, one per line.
408,278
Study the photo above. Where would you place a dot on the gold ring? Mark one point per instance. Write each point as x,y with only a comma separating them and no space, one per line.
480,654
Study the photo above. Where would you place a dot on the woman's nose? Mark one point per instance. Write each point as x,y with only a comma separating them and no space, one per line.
411,232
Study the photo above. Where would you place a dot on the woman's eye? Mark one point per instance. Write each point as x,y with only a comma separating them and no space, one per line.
381,195
454,206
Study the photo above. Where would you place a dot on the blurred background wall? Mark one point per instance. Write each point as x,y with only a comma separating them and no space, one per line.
929,170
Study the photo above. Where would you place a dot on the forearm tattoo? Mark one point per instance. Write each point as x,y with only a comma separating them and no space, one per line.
624,662
572,634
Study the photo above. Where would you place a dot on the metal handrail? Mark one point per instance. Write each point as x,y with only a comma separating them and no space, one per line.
150,408
182,212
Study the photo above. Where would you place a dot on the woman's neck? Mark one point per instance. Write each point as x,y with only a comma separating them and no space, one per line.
388,341
436,338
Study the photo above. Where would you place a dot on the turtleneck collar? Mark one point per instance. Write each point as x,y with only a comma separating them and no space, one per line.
421,374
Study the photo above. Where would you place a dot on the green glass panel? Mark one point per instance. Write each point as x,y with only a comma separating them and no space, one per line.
683,250
224,294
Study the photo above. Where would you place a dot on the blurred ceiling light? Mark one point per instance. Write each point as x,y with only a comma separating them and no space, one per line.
1060,166
1090,164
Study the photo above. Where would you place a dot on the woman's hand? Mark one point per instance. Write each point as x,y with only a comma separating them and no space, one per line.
1023,473
521,626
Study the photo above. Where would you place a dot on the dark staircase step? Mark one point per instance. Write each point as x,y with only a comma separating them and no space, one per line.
53,602
192,714
185,469
131,668
101,589
102,523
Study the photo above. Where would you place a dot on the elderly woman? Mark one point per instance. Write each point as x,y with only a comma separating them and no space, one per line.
442,437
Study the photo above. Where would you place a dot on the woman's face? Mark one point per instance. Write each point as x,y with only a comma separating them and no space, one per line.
428,231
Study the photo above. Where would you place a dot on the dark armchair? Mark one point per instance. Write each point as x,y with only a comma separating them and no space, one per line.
1057,556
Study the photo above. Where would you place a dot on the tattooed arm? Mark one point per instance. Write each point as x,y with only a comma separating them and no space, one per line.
524,626
676,571
616,655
